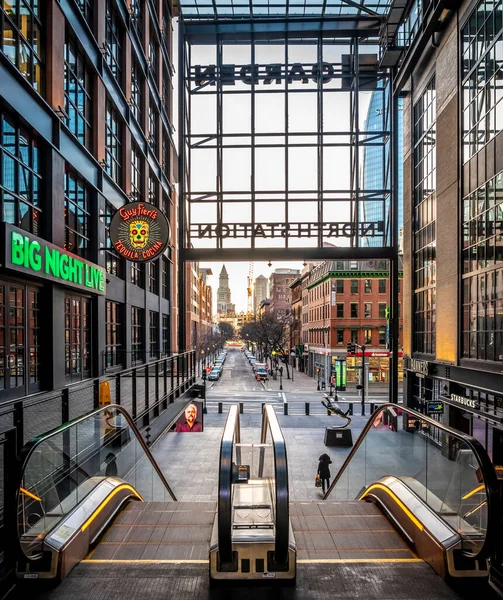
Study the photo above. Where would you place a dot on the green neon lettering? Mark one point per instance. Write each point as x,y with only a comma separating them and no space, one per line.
51,262
16,248
26,252
101,285
73,269
35,258
88,279
79,266
63,267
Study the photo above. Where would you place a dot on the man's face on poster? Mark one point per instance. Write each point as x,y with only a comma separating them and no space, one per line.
190,414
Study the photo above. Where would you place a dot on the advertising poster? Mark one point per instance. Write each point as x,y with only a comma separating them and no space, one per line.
191,420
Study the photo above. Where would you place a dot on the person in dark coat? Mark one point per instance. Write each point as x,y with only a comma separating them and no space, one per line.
324,471
111,462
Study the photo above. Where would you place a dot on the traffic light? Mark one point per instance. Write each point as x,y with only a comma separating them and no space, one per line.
388,313
351,348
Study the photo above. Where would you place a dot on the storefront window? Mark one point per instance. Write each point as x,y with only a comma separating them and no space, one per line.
78,98
165,336
114,265
34,337
76,216
137,334
114,325
19,340
20,176
77,337
154,334
21,38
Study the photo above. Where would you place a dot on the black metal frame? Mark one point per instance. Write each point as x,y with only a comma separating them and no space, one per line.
348,79
356,32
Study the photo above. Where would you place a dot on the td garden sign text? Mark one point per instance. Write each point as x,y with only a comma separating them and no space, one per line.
284,230
267,74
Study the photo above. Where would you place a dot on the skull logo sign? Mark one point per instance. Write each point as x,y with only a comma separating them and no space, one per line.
138,233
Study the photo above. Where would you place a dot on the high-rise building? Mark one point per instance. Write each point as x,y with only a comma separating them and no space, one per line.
224,293
260,292
85,128
376,167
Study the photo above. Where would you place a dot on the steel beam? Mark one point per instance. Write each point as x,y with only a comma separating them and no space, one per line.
350,26
277,254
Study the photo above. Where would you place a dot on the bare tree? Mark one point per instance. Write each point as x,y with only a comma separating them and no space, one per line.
271,333
226,331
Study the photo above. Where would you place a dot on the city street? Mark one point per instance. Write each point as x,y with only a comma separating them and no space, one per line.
238,384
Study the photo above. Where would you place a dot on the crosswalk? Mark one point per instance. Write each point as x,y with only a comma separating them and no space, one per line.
255,406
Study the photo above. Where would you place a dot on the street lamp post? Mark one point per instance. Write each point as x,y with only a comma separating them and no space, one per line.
318,371
363,380
281,378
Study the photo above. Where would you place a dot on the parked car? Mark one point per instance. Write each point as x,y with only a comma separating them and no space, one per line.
261,374
259,365
214,374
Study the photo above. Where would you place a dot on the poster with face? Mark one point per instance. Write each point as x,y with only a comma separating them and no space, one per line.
191,420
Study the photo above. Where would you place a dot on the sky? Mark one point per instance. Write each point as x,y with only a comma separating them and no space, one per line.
238,278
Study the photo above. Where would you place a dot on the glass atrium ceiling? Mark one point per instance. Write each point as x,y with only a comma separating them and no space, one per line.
280,9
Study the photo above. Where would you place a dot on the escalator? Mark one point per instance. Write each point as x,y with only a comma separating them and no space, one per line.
91,480
435,485
252,535
412,493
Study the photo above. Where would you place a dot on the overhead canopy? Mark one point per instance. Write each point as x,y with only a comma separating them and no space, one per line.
280,9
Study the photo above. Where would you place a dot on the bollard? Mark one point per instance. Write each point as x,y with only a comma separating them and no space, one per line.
219,408
350,409
307,409
240,408
285,408
372,406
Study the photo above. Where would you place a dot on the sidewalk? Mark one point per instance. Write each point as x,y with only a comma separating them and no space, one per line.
304,383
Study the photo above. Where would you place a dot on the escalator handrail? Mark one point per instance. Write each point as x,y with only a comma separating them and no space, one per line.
485,464
282,515
31,446
231,431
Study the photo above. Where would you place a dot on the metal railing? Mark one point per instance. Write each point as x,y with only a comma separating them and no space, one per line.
145,391
440,473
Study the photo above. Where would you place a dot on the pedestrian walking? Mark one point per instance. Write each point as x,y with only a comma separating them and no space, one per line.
111,465
324,471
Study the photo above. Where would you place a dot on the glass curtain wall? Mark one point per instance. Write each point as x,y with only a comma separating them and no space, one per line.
482,211
275,143
425,206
